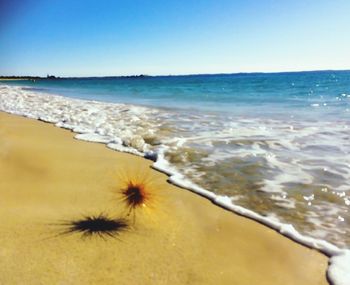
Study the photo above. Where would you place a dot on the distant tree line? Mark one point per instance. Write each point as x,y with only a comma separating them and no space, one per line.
21,77
29,77
56,77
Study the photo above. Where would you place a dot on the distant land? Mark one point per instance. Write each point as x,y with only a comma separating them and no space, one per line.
56,77
27,77
20,77
53,77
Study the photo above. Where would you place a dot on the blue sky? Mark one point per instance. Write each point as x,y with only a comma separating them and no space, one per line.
87,38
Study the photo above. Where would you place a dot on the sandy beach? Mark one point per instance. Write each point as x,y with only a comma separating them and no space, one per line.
49,180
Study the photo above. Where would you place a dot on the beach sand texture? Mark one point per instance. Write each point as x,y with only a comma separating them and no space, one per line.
48,180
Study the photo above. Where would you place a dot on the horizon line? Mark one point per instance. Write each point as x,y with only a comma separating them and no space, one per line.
174,75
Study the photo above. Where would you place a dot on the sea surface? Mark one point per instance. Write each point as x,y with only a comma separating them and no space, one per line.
277,144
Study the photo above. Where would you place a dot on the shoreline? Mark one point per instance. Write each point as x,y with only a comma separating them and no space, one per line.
31,107
209,227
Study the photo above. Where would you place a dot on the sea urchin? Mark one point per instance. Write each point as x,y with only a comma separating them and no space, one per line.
135,195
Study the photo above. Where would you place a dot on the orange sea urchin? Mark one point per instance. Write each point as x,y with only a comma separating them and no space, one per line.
139,192
136,195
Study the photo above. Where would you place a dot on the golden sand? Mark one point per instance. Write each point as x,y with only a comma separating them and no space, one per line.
48,179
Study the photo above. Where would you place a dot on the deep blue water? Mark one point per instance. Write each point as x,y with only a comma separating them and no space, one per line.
264,94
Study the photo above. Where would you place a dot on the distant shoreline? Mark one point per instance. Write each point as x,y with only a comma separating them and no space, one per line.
15,79
52,77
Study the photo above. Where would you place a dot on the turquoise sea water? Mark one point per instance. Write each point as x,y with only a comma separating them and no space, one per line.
278,144
274,93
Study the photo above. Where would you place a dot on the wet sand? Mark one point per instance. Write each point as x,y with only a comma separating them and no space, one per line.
49,179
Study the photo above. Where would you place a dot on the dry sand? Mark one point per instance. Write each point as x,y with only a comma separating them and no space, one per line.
47,178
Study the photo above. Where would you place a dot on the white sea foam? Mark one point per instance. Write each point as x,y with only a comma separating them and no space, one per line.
127,128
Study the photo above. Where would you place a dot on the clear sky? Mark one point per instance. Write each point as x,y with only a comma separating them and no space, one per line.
123,37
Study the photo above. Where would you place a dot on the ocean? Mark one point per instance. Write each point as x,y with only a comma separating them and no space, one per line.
274,143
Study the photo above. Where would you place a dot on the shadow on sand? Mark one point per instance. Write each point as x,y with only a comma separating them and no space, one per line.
99,225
